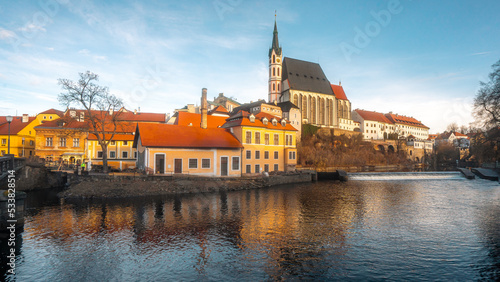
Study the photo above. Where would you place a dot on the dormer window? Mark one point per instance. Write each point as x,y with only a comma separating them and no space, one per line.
72,114
283,122
251,118
265,121
274,121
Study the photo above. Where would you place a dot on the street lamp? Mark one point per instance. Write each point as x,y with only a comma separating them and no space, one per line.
9,120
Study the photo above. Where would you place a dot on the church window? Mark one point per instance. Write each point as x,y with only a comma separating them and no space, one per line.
274,86
278,86
274,59
274,71
278,71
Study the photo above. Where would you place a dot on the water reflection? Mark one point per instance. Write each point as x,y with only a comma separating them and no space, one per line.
326,230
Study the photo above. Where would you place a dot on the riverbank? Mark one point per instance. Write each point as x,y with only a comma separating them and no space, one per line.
109,186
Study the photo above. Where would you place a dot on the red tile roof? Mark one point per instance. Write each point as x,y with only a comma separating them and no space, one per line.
219,109
15,126
187,119
52,112
458,134
71,124
125,115
373,116
242,119
338,90
176,136
405,120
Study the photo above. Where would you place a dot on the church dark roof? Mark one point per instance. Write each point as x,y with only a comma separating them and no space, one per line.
286,106
305,76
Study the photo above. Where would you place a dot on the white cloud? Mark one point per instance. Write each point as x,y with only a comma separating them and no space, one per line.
29,28
5,34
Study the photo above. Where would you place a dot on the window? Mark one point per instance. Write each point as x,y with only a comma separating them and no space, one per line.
4,141
249,137
99,154
193,163
276,155
291,155
112,154
32,143
257,155
236,163
257,168
249,169
22,142
205,163
113,143
125,143
48,142
135,155
276,167
286,138
76,142
257,137
124,155
266,155
275,122
249,154
276,139
62,142
266,168
266,138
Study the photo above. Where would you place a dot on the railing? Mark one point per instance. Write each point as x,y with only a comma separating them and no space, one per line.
10,163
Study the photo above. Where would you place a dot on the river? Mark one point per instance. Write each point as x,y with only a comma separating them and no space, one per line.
382,226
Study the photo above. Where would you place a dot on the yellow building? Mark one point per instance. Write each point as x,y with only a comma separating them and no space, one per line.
269,142
193,150
22,136
121,154
58,140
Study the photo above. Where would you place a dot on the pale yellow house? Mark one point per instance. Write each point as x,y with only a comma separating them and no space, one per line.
175,149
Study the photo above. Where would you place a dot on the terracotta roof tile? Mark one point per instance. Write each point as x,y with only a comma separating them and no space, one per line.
176,136
187,119
374,116
52,112
15,126
338,90
405,120
116,137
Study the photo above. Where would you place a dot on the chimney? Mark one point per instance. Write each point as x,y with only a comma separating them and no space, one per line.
135,111
25,118
204,103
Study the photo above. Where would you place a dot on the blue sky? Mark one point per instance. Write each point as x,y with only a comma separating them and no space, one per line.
418,58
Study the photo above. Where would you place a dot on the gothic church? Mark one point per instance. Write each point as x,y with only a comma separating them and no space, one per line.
305,85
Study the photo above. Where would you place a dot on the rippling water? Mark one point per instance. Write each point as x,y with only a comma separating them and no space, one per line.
444,228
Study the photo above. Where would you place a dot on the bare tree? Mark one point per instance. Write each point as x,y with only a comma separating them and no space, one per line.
487,100
452,127
101,109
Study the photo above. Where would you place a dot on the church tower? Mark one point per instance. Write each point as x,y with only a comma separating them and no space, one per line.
275,64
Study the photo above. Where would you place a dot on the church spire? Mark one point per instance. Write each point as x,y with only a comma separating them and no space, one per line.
276,46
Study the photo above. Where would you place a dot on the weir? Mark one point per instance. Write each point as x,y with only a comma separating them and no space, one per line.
385,176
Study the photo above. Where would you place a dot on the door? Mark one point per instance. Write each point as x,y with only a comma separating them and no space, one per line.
178,165
160,164
223,166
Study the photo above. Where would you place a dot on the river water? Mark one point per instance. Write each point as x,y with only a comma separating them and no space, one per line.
384,226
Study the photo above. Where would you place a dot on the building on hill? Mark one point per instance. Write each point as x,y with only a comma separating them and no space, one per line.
269,142
378,126
306,86
228,103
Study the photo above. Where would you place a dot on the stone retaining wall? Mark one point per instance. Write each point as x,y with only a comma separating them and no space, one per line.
109,186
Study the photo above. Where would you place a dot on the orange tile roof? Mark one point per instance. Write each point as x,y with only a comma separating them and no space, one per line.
242,119
15,126
405,120
338,90
458,134
187,119
374,116
71,124
124,115
219,109
52,112
176,136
